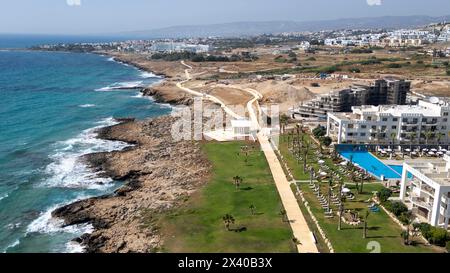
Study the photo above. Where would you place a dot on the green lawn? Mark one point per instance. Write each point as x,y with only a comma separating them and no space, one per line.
381,229
198,226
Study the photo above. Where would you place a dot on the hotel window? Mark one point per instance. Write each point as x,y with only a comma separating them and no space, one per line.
350,126
394,127
445,114
395,119
384,119
363,134
405,120
363,126
374,127
445,120
383,128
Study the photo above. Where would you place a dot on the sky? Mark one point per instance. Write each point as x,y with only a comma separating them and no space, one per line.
113,16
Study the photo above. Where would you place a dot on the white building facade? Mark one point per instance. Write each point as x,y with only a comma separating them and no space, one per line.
425,189
425,123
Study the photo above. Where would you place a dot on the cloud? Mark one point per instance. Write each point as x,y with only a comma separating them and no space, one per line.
374,2
73,2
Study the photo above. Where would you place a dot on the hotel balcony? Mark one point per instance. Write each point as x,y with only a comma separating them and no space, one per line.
421,202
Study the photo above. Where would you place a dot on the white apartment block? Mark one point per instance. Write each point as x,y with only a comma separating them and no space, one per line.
425,123
425,189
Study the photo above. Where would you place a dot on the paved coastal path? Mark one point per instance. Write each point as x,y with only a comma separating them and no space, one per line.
295,216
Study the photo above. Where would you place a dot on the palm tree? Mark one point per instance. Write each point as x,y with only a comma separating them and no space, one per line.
412,138
365,224
428,135
228,220
341,206
311,175
252,209
439,137
405,234
237,181
393,138
330,186
361,189
305,155
284,121
284,215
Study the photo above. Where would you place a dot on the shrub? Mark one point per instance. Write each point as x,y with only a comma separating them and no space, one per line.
394,65
438,236
405,218
448,72
384,194
398,208
424,228
447,246
326,141
292,55
319,131
355,70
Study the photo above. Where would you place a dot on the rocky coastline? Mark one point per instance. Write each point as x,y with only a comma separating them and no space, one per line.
157,172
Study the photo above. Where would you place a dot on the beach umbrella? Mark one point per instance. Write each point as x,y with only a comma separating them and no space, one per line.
431,153
425,150
389,150
440,153
346,190
433,150
408,150
323,173
344,163
444,150
321,161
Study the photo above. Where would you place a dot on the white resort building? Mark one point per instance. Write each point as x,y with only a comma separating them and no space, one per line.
425,189
425,123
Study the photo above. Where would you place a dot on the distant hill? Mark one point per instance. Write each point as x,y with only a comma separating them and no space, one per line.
255,28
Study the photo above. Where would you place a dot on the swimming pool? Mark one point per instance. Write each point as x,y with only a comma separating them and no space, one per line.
371,164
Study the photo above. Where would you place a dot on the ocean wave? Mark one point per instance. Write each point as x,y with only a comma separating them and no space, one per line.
74,247
47,224
14,244
146,75
121,85
111,59
87,105
68,171
3,196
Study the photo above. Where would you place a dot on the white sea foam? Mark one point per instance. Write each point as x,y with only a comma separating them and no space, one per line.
121,85
68,171
146,75
74,247
87,105
45,223
14,244
3,196
111,59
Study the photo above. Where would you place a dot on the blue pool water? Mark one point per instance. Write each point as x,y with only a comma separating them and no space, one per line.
371,164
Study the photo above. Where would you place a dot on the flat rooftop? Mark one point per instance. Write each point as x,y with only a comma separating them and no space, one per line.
399,110
435,170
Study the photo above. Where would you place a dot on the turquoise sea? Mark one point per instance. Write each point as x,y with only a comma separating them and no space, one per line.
50,105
